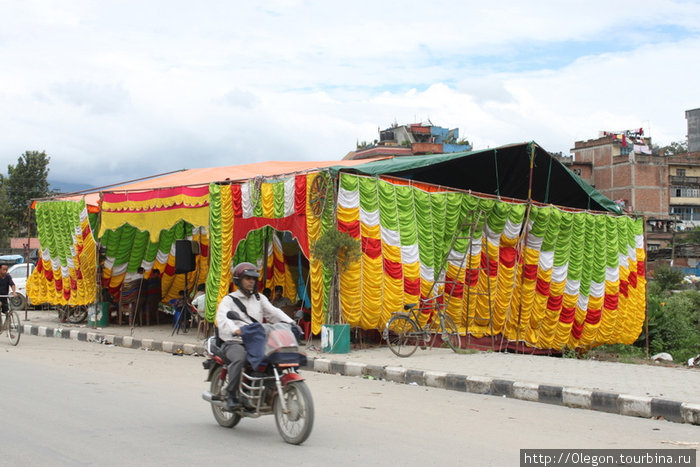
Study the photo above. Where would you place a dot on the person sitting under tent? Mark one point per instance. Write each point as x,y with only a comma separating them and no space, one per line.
200,300
153,296
279,300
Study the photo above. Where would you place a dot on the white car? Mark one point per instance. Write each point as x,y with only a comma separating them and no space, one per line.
19,277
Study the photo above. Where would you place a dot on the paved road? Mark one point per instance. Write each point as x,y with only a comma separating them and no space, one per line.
71,403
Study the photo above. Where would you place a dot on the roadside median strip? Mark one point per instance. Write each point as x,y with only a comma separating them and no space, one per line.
621,404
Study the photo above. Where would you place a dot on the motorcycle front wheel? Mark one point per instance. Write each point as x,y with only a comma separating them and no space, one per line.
223,417
295,425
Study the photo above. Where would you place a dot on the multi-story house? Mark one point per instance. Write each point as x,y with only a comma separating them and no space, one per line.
412,139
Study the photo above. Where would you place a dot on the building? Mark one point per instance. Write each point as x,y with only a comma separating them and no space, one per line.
693,117
412,139
684,181
623,167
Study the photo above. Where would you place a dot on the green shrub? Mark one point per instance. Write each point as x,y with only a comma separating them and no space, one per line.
667,278
674,324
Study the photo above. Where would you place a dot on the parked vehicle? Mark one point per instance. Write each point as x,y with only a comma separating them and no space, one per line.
20,272
275,387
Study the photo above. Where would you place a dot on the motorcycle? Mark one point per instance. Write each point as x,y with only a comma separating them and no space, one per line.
274,387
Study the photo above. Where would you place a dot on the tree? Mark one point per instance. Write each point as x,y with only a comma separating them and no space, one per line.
337,251
688,236
4,214
26,180
676,148
667,278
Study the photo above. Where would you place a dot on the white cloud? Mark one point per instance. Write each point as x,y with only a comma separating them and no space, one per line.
118,90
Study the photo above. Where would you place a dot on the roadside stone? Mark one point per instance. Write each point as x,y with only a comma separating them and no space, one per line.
634,406
550,394
375,371
435,379
669,410
415,377
337,368
322,365
604,401
479,384
455,382
691,413
526,391
577,398
395,374
354,368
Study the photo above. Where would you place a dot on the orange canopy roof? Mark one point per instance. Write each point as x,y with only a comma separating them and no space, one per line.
204,176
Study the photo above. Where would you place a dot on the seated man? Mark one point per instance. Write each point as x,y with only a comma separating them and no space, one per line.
278,300
200,300
257,307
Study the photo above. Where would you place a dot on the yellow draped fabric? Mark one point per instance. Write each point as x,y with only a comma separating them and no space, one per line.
313,226
68,276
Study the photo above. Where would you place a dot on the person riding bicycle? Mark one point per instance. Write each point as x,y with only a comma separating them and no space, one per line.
257,307
5,283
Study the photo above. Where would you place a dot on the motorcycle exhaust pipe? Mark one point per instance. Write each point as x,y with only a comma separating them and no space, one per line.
209,397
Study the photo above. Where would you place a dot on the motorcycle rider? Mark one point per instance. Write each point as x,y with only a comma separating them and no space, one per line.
245,277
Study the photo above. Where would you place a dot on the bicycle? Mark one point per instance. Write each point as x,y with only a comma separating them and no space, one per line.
403,332
10,322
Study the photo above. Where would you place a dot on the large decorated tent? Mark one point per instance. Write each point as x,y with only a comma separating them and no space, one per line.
566,270
557,277
138,225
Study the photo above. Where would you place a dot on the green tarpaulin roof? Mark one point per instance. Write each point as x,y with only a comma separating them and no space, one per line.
502,171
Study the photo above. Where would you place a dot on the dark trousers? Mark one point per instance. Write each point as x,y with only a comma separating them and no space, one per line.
235,354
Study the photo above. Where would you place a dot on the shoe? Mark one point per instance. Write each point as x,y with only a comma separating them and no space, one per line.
232,404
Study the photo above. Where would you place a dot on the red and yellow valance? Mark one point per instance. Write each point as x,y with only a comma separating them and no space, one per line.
155,210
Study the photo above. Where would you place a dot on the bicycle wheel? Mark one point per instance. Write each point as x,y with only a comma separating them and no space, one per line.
402,335
450,333
13,326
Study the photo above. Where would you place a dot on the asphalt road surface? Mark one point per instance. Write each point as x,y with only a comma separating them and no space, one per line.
71,403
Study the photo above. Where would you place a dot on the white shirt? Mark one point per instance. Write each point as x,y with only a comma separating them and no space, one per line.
200,302
255,308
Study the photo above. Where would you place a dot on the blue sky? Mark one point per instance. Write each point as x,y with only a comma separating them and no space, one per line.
118,90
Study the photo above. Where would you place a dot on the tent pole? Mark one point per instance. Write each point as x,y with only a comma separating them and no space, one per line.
29,240
98,267
526,231
646,292
265,246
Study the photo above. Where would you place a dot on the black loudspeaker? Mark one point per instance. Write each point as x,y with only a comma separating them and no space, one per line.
185,256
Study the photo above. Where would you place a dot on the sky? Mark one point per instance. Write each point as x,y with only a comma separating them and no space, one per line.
117,90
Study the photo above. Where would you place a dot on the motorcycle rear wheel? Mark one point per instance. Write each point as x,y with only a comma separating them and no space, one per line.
75,314
295,425
223,417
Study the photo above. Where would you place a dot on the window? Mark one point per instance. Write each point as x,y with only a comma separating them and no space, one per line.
686,213
577,171
685,192
680,172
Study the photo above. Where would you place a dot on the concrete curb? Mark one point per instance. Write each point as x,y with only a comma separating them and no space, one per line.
127,342
621,404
